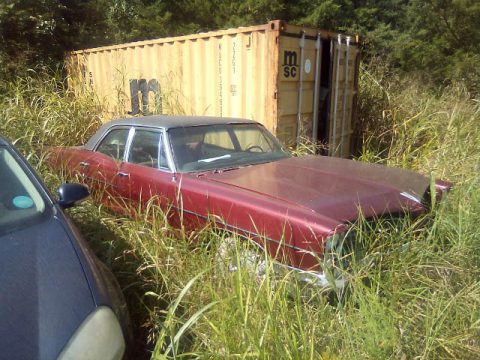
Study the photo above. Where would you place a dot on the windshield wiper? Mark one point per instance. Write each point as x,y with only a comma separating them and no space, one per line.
230,168
218,171
226,156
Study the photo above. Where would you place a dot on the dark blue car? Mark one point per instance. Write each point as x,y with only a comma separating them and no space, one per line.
57,300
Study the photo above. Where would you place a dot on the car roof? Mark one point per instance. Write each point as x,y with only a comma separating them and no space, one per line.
165,122
175,121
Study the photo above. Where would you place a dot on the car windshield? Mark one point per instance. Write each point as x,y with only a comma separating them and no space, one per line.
20,202
199,148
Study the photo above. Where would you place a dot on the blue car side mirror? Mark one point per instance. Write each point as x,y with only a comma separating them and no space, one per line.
71,194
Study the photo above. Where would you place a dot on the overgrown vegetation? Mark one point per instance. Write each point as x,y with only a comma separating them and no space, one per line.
38,111
416,292
422,302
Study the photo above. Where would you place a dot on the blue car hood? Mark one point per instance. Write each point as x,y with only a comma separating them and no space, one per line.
44,294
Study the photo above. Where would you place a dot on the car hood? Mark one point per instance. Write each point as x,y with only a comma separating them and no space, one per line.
332,187
45,295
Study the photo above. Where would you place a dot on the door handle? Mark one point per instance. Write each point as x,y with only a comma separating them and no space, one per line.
123,174
83,164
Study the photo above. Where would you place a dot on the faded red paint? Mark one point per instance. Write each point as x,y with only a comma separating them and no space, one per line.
295,203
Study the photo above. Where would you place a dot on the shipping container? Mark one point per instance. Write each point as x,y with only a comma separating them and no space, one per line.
299,82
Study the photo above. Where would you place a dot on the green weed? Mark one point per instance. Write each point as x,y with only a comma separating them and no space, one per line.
414,288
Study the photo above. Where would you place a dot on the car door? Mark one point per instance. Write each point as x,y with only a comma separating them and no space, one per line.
146,173
101,170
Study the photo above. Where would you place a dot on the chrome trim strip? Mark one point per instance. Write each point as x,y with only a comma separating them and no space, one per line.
411,197
168,151
128,144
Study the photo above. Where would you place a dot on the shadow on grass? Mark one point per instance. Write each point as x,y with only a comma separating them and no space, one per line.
103,233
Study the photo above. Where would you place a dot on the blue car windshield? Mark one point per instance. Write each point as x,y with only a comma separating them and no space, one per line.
20,202
207,147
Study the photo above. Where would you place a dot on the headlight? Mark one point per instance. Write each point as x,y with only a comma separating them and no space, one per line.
333,252
323,279
335,261
333,242
98,337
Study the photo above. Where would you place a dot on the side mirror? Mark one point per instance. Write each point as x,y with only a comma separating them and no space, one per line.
71,194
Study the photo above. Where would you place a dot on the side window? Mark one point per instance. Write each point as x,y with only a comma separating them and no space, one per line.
114,143
145,149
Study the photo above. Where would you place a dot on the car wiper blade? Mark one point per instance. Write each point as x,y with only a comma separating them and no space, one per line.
218,171
226,156
228,168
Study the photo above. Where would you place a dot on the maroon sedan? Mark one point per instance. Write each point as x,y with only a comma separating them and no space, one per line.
235,172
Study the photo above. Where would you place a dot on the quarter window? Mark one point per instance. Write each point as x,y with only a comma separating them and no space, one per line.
114,143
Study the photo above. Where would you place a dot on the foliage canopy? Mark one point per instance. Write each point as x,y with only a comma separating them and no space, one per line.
437,39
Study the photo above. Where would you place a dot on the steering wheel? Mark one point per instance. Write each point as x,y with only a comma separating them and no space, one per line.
250,148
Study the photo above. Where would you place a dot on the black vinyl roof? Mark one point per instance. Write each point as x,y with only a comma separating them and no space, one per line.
165,122
170,121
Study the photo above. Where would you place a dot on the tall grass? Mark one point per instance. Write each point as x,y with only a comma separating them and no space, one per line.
416,297
409,126
39,111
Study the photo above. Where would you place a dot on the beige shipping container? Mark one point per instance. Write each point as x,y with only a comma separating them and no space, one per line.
299,82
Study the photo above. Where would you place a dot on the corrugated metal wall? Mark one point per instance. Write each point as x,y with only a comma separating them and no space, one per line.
217,74
289,87
253,72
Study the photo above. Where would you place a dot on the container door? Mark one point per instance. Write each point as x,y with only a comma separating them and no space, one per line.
343,93
296,82
316,91
321,95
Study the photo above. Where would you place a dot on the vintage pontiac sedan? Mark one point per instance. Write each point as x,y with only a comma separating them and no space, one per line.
238,174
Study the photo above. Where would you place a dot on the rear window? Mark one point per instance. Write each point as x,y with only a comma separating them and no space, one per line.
20,202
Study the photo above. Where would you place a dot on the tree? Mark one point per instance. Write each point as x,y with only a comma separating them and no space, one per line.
438,38
36,32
